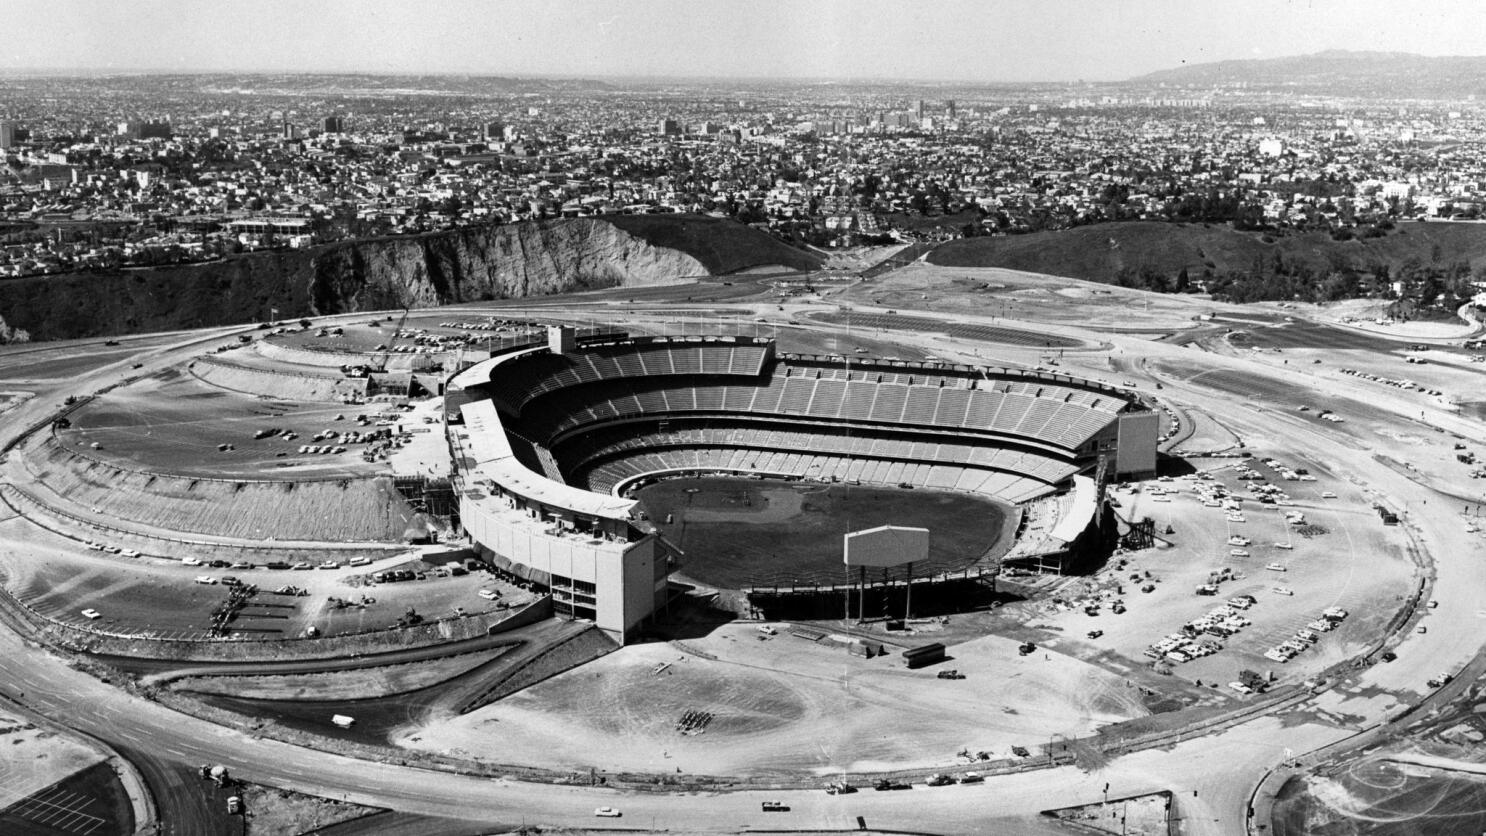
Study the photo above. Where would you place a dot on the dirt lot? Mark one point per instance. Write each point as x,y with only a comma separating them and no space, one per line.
270,812
1011,294
159,597
785,703
32,758
359,684
174,423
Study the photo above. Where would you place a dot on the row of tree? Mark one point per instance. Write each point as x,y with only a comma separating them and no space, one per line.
1434,285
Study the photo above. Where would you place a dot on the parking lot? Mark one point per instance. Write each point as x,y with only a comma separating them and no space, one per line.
174,423
1242,587
169,599
56,810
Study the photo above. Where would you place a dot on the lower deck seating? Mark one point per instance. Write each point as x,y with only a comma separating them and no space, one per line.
1007,486
579,454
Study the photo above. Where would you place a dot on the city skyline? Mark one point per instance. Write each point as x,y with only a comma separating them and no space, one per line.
1013,42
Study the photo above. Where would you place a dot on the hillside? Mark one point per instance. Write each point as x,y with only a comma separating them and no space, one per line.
464,265
1340,71
722,245
1099,252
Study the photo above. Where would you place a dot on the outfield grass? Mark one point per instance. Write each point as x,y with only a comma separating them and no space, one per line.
748,532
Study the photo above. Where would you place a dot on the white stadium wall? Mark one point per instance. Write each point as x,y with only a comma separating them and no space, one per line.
886,546
622,574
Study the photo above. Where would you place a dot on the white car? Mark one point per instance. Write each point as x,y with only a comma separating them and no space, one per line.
607,813
489,595
1274,567
92,614
1240,687
190,561
1283,590
1328,494
208,580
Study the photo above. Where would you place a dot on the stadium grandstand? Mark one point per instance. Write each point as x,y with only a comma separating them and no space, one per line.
550,441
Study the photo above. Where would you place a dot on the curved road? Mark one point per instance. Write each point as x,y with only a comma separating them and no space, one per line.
1212,776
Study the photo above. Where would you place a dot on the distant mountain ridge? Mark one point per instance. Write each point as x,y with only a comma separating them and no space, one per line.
1340,70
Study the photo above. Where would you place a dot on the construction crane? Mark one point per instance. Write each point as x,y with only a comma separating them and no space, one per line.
392,341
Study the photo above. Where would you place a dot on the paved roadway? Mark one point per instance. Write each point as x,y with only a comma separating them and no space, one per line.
1212,776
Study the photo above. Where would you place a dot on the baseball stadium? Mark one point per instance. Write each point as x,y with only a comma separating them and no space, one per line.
556,444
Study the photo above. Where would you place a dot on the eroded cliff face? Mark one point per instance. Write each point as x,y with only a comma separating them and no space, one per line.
529,259
465,265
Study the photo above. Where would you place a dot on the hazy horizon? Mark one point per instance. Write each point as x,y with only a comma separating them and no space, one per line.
951,42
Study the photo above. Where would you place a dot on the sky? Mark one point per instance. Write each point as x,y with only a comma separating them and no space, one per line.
943,40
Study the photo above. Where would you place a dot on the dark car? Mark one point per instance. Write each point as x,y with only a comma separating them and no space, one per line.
1389,656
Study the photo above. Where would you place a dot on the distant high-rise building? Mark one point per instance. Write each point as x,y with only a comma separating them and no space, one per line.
8,134
334,125
670,127
949,108
144,130
492,131
922,109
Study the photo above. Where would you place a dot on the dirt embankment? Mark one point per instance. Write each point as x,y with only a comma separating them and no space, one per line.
1100,252
464,265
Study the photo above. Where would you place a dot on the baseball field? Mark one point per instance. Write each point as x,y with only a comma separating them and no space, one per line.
740,532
